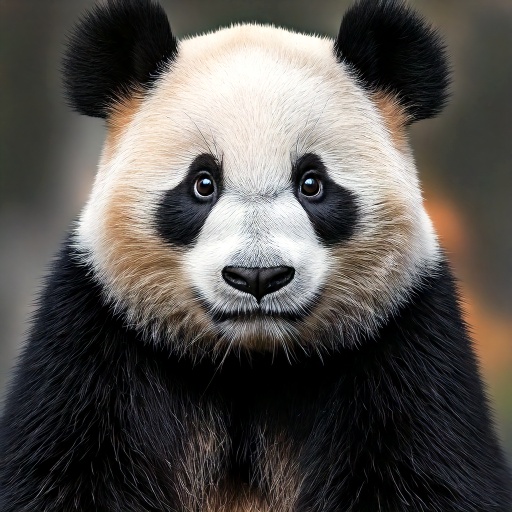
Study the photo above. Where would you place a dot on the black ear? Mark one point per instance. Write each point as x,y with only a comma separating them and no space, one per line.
393,50
119,47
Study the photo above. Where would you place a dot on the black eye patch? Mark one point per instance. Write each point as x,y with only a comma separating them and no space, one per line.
333,211
182,211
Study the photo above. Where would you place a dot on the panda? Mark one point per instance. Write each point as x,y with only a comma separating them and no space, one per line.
253,312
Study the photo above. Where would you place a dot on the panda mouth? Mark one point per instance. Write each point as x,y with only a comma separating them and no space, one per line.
258,314
255,315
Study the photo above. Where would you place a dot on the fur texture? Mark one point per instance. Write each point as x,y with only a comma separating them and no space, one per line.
97,419
150,384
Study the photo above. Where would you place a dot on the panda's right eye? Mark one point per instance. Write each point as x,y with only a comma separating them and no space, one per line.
204,186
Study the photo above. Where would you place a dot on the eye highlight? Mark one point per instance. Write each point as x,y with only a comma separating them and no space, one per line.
204,186
310,186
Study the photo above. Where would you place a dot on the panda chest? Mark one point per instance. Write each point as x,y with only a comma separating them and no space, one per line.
239,468
238,442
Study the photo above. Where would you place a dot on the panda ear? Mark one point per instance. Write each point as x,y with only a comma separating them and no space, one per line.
394,51
119,48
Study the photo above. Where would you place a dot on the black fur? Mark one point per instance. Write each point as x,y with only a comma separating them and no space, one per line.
334,213
97,420
119,47
393,50
181,214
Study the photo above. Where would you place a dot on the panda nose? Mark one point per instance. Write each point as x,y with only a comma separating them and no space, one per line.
258,281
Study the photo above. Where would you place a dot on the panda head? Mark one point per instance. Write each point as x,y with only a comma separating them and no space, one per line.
256,188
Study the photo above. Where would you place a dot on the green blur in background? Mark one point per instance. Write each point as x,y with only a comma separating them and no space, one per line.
48,154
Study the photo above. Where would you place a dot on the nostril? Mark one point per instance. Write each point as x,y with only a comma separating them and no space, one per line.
234,279
243,279
275,278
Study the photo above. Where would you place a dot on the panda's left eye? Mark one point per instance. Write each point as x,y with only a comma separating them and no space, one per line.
310,186
204,186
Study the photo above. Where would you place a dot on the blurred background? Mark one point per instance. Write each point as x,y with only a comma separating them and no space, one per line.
48,154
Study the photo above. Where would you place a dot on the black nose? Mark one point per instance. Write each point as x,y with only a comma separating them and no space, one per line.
258,281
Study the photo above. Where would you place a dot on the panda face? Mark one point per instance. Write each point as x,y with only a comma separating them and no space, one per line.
256,198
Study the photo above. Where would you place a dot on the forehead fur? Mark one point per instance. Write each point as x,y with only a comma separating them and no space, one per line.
257,98
254,96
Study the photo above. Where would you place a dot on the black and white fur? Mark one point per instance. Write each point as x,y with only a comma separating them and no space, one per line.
149,383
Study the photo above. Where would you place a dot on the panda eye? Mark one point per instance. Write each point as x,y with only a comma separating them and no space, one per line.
310,186
204,186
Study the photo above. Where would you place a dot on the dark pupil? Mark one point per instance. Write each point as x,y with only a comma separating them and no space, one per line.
204,186
310,186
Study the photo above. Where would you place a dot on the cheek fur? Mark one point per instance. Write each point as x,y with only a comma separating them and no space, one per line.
142,275
371,276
